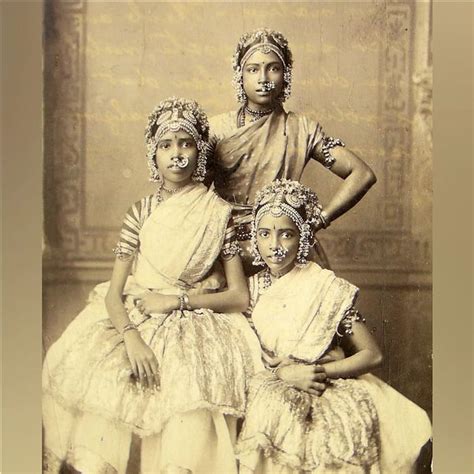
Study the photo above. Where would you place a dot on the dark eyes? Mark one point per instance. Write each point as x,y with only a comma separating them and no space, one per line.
253,70
285,235
166,145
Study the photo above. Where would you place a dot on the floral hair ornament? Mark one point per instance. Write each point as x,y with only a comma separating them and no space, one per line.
294,200
172,115
266,41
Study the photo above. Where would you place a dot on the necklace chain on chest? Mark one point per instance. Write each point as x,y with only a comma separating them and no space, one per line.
254,114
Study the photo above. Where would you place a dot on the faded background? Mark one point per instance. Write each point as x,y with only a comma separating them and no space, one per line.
362,69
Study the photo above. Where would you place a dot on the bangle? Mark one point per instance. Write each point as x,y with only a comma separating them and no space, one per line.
184,302
274,370
328,143
129,327
324,219
181,303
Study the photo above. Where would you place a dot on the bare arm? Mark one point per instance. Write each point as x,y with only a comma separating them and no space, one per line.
235,298
113,300
365,357
358,179
142,359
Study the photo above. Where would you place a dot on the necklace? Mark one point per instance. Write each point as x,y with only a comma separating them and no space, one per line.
162,187
267,279
171,191
255,114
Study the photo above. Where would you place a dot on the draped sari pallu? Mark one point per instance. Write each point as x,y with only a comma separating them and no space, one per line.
277,146
91,407
354,427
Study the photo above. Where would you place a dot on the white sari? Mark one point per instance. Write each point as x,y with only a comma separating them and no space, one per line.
356,426
91,406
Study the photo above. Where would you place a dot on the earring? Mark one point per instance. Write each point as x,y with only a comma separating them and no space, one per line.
257,258
238,83
303,248
200,172
155,175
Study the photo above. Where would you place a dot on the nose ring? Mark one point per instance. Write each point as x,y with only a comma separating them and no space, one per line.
268,86
279,252
181,161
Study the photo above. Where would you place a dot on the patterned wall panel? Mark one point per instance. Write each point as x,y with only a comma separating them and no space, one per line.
85,99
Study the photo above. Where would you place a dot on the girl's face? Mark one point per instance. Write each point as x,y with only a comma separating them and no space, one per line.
277,241
176,157
259,72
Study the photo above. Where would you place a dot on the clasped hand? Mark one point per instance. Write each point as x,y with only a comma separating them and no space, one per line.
310,378
153,302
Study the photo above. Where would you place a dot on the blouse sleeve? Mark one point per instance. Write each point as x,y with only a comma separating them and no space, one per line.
128,243
231,246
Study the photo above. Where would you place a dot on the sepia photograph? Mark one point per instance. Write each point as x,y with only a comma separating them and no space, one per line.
237,237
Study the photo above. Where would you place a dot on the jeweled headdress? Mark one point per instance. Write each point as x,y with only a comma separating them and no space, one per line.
175,114
296,201
264,40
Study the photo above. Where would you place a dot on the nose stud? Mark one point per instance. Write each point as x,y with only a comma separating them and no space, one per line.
279,252
268,86
181,161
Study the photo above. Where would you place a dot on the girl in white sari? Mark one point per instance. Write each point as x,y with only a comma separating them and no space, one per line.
158,353
305,413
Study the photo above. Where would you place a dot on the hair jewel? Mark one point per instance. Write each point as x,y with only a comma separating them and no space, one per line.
296,201
293,200
176,114
277,210
265,40
189,116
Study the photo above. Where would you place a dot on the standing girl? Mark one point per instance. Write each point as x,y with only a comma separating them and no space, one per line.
158,353
304,415
262,142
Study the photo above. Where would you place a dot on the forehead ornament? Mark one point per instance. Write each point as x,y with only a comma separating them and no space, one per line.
266,48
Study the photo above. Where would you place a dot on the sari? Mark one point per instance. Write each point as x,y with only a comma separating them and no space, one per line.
355,426
277,146
91,407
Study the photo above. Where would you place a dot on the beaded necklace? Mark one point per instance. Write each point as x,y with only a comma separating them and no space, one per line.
255,114
162,187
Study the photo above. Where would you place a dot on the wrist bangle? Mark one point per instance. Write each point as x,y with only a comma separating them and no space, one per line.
186,302
129,327
274,370
324,219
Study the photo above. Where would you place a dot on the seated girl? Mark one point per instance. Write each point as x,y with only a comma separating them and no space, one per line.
155,353
304,415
